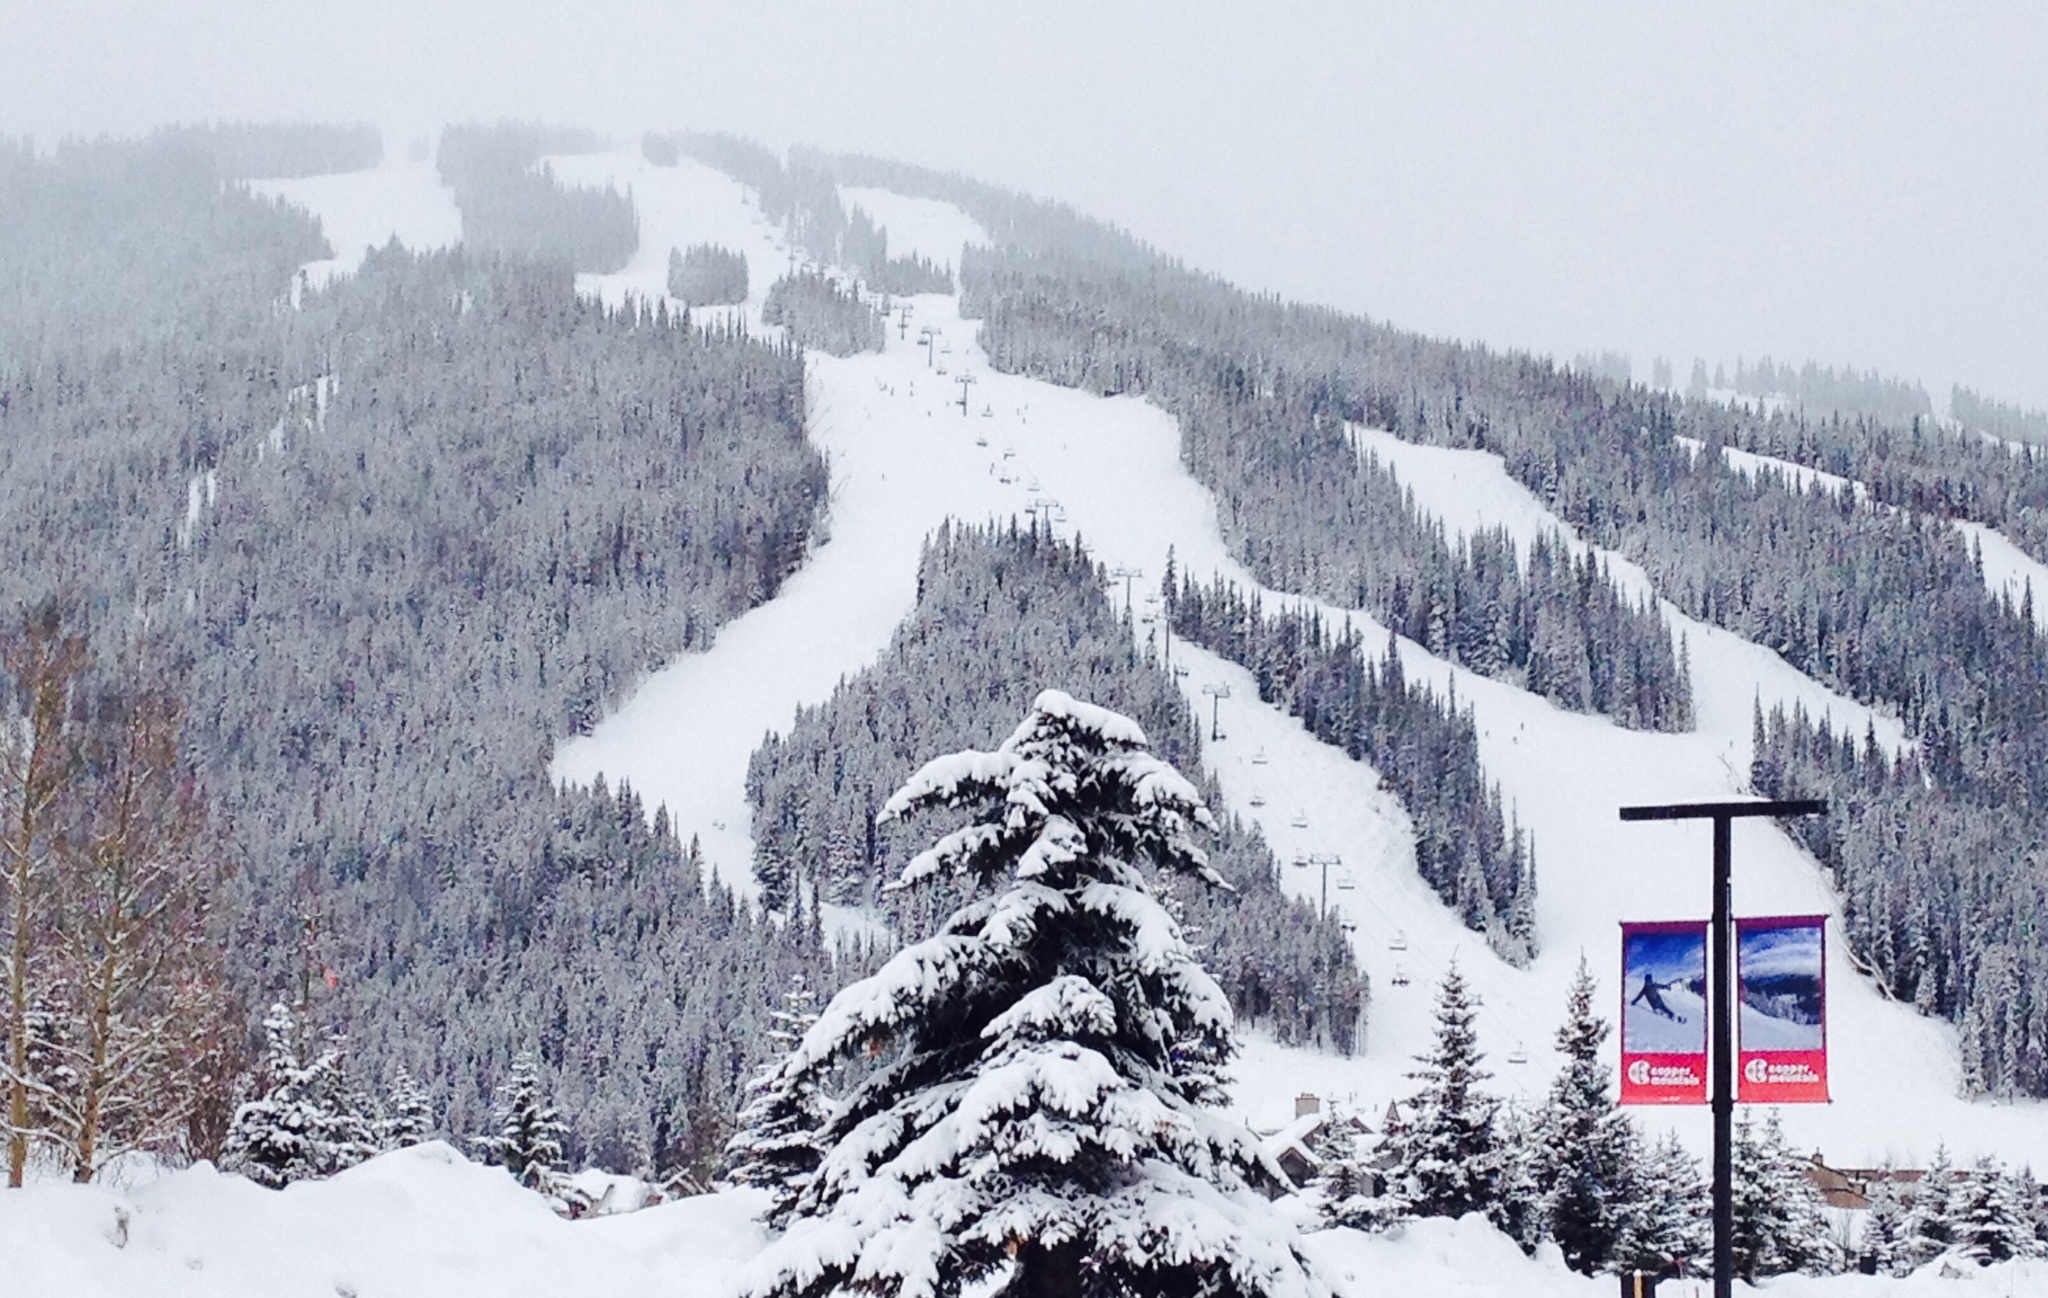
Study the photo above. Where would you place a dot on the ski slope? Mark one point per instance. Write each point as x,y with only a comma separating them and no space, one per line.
361,210
1108,469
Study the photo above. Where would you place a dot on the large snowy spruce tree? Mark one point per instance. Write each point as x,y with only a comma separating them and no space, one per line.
1585,1150
1450,1158
1037,1111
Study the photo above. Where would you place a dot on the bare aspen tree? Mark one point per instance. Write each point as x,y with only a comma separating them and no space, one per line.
140,996
41,663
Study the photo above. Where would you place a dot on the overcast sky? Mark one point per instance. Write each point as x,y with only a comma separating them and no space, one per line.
1857,182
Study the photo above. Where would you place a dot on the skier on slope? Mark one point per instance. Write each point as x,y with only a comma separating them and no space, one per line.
1648,996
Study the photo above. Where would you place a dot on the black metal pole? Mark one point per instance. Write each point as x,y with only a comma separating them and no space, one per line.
1722,1066
1721,1001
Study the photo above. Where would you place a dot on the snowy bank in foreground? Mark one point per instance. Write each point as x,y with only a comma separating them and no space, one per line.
421,1221
427,1222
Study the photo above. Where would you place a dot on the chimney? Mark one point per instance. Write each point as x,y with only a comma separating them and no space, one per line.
1305,1104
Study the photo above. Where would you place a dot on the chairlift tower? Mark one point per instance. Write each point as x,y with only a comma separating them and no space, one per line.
1217,692
965,381
928,338
1325,860
1126,576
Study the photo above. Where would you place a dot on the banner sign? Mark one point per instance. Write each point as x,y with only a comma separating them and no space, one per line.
1664,1013
1782,1032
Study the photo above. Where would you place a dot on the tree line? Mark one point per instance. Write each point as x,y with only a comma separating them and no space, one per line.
507,205
999,610
1467,846
1268,431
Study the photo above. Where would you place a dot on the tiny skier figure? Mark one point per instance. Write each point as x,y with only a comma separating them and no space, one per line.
1648,996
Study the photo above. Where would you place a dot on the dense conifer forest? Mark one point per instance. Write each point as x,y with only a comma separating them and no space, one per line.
511,202
397,543
999,612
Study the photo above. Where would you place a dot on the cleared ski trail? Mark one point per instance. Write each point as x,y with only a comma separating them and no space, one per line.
904,457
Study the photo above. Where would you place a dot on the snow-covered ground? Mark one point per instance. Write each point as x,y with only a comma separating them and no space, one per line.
425,1223
904,456
360,210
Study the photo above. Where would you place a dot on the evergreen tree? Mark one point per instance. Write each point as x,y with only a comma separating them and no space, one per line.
777,1147
1993,1217
530,1131
1584,1160
271,1140
1881,1248
1522,1210
1670,1218
407,1118
1779,1223
1929,1229
1450,1158
1038,1110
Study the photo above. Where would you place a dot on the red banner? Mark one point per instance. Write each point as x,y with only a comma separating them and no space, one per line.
1664,1013
1781,991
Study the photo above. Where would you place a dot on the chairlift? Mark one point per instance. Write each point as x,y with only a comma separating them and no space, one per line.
1009,452
942,369
988,412
1399,942
1518,1055
981,441
1400,978
1300,820
1258,799
1259,758
945,349
1300,861
1345,882
1178,670
1349,928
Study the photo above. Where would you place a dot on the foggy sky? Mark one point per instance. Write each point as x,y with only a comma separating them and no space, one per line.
1861,183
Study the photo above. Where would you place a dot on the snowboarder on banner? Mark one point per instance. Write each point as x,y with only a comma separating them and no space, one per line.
1648,995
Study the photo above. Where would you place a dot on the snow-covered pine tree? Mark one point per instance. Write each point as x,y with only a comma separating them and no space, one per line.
344,1131
271,1139
530,1136
1449,1159
1779,1222
1993,1220
1670,1218
1520,1209
776,1147
1039,1111
1344,1192
407,1116
1929,1229
1585,1147
1880,1248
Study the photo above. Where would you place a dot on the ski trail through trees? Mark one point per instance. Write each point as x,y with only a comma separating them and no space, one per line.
906,454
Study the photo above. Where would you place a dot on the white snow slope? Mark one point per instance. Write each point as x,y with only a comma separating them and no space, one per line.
904,457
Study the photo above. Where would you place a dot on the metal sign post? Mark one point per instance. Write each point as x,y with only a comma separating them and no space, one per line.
1721,1066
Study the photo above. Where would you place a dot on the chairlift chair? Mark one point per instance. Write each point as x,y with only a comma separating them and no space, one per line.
1258,799
1300,861
1300,820
981,441
1259,758
1400,978
1399,942
1346,882
1518,1055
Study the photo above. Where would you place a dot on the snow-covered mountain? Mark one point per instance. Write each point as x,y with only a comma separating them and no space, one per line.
917,434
